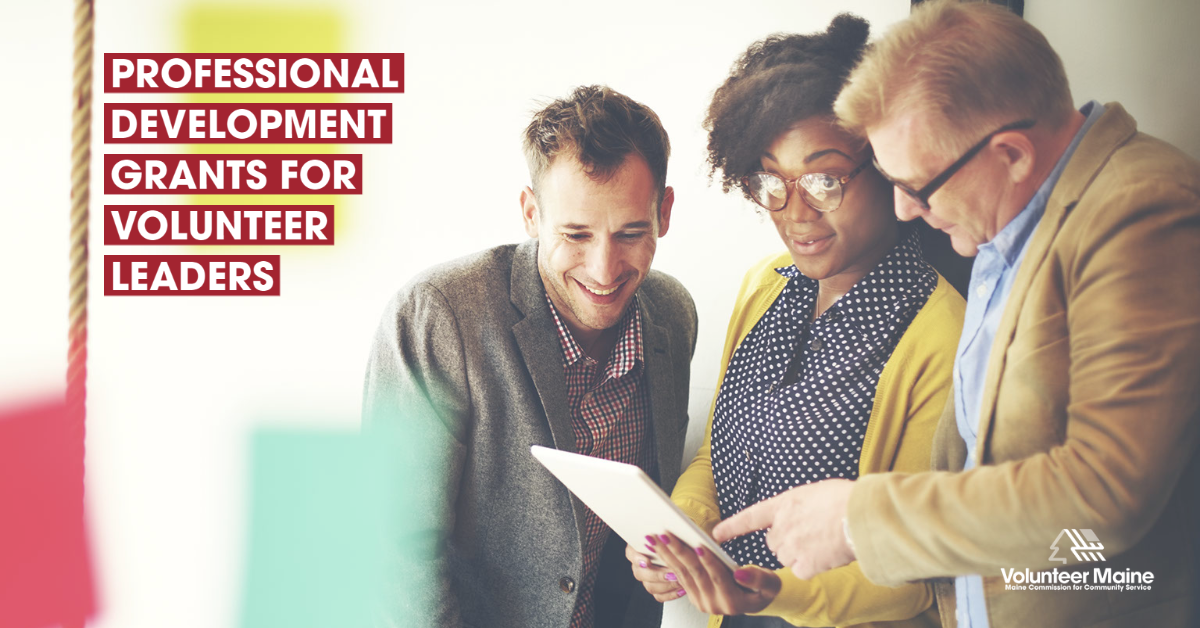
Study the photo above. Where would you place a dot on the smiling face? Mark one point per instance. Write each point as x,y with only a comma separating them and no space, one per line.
841,246
595,239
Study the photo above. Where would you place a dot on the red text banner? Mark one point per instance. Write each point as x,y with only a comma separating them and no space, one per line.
232,174
218,224
247,123
197,275
253,73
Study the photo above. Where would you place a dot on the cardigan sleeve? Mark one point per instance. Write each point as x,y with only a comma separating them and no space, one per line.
911,393
696,492
909,399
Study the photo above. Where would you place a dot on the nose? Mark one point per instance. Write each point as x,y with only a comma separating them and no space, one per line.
796,209
907,207
604,262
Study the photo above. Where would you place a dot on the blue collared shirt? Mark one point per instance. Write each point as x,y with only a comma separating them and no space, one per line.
992,277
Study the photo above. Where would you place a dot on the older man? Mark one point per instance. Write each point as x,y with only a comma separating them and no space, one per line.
1071,441
566,340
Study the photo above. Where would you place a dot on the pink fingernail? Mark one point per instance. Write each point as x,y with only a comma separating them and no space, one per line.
671,577
642,564
651,540
680,593
741,576
665,539
651,550
700,551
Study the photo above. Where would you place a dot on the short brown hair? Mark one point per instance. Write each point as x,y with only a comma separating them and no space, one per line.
973,66
600,127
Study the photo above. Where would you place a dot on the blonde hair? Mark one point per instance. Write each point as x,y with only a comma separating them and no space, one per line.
970,67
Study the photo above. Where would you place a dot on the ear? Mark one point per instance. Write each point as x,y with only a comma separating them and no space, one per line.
1016,153
529,212
664,211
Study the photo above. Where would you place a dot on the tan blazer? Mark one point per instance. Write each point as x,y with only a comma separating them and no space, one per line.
1091,412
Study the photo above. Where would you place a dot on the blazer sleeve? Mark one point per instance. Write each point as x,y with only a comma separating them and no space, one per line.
416,400
1132,320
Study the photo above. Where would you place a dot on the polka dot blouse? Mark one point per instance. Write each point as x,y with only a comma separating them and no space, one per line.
797,393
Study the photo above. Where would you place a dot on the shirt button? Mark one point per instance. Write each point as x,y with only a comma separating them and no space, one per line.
566,584
748,456
981,290
587,397
815,345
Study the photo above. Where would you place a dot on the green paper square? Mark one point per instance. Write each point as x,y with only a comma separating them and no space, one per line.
318,501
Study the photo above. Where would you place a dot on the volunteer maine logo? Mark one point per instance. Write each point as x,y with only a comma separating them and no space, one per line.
1084,545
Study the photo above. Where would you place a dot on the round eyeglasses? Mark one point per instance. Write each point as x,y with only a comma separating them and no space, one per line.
820,191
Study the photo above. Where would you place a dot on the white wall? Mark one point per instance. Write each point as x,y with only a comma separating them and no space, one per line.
35,170
177,383
1142,54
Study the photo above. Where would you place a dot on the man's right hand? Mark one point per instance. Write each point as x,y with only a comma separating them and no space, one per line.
659,581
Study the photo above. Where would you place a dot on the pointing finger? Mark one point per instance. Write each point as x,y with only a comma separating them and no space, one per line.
756,517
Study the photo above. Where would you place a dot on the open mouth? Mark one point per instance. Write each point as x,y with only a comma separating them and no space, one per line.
601,295
810,245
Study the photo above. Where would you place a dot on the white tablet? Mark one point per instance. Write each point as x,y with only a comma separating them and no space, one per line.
626,499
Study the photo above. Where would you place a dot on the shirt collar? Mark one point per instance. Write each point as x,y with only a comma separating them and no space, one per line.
903,268
626,354
1012,238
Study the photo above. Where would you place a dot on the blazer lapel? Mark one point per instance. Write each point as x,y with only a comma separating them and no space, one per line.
658,368
538,341
1114,128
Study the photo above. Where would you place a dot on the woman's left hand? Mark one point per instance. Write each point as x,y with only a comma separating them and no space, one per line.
711,586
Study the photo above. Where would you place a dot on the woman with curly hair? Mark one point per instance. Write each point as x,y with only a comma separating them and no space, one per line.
838,356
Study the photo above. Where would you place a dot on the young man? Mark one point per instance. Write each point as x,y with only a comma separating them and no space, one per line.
567,340
1071,441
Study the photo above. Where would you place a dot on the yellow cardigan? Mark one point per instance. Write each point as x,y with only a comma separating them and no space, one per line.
909,399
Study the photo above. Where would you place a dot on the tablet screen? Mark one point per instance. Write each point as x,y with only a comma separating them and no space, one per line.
626,499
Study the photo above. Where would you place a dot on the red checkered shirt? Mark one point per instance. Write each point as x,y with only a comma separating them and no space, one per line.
609,421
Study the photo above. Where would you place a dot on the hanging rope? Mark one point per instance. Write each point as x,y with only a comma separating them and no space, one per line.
81,155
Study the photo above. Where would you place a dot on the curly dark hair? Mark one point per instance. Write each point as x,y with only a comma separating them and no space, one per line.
599,126
778,82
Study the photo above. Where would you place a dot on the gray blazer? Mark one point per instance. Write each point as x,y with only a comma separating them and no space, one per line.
467,366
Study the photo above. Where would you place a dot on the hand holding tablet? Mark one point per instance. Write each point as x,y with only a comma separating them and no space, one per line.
645,517
710,585
627,500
